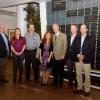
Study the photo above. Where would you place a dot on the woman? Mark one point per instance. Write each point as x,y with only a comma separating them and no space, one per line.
17,47
46,49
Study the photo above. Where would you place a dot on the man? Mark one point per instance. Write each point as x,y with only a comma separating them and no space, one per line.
32,44
70,55
84,47
59,51
4,53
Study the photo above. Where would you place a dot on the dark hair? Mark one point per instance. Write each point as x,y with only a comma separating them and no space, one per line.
30,25
44,38
85,25
16,30
73,25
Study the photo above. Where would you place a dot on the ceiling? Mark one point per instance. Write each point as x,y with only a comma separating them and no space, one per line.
8,7
7,3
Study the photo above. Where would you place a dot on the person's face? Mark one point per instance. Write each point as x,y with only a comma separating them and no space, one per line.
48,35
17,34
73,29
83,29
31,29
55,28
2,28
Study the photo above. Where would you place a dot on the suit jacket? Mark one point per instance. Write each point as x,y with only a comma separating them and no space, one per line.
87,49
3,49
70,48
59,45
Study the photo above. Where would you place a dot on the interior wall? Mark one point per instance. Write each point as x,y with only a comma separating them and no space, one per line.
9,21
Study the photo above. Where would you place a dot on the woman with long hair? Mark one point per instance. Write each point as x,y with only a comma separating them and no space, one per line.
17,47
46,48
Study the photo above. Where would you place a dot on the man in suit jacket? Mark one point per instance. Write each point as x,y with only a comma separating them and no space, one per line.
4,53
84,47
59,50
70,55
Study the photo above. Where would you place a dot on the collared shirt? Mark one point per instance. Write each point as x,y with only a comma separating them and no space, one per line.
57,34
72,38
32,41
5,40
82,40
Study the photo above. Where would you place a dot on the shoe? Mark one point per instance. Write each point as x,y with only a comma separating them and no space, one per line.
86,94
28,80
60,85
20,80
4,80
78,91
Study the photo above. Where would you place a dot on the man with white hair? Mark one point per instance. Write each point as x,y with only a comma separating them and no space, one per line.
4,53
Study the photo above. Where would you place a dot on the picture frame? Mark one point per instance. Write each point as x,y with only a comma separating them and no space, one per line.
11,33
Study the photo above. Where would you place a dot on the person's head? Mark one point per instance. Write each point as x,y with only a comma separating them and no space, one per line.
83,29
31,28
17,33
47,36
2,28
73,28
55,28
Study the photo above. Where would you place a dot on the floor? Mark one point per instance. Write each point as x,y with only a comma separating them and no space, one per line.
33,90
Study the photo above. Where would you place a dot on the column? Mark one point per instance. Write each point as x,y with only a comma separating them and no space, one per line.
43,18
21,15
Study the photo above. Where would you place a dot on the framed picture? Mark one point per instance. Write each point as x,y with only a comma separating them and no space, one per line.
11,33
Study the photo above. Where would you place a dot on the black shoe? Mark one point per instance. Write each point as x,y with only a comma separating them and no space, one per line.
28,80
60,85
20,80
14,80
4,80
86,94
78,91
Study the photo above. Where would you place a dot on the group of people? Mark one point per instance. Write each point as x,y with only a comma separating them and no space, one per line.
50,53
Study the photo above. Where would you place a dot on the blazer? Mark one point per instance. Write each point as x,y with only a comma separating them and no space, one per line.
70,48
87,49
3,49
59,45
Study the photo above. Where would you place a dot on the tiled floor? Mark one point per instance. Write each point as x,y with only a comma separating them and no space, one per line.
33,90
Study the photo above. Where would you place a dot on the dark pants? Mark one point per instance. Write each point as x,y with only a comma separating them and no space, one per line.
3,62
58,72
17,64
71,72
30,58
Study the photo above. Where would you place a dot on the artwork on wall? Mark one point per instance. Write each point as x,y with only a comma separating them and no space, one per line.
11,33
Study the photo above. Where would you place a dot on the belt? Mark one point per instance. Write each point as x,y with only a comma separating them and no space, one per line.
31,50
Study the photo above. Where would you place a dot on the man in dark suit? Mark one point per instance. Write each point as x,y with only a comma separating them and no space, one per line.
84,47
70,56
4,52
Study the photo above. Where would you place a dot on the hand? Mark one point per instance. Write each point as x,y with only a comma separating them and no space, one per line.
16,53
48,60
62,57
40,59
20,53
81,57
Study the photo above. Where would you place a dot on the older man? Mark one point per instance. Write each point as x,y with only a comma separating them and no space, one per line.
59,51
4,52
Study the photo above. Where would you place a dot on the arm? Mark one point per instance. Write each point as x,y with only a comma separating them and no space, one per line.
50,56
40,56
22,50
65,46
16,53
